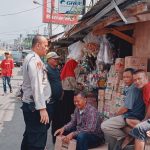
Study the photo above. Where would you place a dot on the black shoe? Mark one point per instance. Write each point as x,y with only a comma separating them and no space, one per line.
11,91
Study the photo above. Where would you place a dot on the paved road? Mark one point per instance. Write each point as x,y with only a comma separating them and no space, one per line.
11,119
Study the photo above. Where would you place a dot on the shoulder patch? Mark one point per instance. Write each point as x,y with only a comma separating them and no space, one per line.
39,65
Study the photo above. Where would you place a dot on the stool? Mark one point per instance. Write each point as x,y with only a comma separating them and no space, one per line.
72,145
64,146
147,144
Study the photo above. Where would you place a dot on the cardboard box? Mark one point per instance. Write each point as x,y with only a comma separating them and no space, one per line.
119,64
108,93
101,94
136,62
59,145
101,106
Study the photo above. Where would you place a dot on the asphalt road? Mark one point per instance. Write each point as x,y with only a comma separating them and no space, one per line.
11,119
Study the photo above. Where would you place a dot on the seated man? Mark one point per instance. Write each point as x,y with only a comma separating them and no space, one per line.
130,114
85,125
142,131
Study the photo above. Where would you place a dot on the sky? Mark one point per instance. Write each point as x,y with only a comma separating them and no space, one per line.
29,22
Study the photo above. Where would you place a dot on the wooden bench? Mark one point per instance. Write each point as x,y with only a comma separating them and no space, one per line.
72,145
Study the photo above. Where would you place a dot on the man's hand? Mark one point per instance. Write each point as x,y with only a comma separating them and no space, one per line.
148,133
44,116
59,131
67,138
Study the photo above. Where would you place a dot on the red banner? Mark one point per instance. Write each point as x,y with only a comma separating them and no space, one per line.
49,15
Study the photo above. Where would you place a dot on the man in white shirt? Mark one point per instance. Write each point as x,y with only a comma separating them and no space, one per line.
36,97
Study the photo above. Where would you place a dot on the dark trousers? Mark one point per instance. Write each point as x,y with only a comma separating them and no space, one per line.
35,135
56,121
67,106
88,140
6,80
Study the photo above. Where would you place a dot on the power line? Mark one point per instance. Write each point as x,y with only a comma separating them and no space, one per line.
20,12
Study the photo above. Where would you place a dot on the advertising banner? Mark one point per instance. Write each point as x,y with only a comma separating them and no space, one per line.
50,14
71,6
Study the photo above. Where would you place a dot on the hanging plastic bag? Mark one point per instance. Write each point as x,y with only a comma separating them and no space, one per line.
105,52
91,43
75,51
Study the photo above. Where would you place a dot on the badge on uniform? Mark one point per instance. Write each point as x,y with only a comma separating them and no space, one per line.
39,65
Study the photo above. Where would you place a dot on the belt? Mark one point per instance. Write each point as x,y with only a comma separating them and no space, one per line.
49,101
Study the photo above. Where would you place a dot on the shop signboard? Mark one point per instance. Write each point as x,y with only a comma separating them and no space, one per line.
51,14
71,6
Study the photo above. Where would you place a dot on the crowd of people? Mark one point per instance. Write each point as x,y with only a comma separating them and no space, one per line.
51,97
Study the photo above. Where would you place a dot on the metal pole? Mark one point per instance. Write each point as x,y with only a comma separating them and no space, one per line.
49,29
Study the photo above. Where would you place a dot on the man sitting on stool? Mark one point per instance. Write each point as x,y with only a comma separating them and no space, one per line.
85,125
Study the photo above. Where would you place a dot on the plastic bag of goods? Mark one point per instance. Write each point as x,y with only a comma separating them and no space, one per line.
105,52
75,51
91,43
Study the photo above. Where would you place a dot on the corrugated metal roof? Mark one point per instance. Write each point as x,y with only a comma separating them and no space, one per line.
101,4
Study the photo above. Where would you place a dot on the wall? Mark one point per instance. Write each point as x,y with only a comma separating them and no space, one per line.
142,40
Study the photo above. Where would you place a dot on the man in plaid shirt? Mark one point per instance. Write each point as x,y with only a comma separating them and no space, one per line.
85,125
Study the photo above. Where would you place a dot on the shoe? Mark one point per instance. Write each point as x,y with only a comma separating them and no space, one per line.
11,91
4,94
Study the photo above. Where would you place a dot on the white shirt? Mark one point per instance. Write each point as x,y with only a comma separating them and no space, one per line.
36,87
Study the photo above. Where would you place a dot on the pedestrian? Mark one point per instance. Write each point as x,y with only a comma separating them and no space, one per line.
53,74
69,84
142,130
85,125
7,67
36,97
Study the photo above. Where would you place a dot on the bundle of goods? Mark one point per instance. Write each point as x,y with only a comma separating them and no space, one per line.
91,44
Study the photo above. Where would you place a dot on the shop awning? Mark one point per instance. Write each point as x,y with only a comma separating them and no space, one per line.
104,18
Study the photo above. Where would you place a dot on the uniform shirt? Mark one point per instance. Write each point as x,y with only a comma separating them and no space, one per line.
7,65
55,82
87,120
146,94
36,87
134,103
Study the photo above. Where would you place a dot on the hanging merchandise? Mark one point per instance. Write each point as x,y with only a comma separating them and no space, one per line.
91,44
105,52
75,51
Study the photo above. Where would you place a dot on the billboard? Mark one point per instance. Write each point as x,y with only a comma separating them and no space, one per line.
71,6
50,14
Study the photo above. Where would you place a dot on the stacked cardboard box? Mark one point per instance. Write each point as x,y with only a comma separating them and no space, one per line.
136,62
119,64
113,98
101,98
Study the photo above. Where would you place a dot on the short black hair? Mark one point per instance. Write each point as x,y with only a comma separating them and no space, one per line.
36,39
140,71
6,53
131,70
82,93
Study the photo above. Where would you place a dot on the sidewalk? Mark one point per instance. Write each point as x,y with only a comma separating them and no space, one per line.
11,118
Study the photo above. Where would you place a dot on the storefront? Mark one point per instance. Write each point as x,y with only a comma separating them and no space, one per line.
122,42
